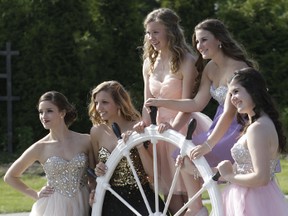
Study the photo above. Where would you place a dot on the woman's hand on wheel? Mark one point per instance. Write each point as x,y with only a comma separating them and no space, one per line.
100,169
199,151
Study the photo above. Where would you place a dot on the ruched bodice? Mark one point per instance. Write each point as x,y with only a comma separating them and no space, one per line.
170,88
123,175
165,89
243,163
67,177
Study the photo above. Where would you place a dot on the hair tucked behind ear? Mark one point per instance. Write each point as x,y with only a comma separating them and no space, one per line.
59,100
229,46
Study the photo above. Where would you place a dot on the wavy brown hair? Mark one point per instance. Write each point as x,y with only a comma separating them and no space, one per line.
230,47
121,98
176,40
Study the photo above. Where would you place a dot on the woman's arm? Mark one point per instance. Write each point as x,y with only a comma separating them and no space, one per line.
223,123
189,74
146,157
94,143
218,132
91,159
258,144
197,104
12,176
147,94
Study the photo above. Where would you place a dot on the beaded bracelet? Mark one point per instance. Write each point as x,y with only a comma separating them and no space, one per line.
206,143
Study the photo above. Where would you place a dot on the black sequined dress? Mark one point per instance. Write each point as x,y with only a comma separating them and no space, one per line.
123,182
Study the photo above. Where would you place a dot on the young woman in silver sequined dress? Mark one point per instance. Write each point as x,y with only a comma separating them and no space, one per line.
65,156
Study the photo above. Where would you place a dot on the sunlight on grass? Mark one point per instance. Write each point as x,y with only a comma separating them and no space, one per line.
13,201
282,177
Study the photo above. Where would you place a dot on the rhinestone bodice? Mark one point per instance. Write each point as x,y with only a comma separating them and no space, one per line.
219,94
123,175
67,177
243,162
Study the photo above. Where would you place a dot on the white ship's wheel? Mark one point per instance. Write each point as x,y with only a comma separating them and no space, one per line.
151,134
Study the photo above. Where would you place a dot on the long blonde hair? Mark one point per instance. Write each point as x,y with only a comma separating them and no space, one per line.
176,40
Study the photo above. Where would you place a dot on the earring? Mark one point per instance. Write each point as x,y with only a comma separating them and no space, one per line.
119,112
220,46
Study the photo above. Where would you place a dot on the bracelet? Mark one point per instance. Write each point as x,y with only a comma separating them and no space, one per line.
206,143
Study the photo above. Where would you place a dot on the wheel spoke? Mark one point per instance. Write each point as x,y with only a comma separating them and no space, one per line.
171,137
123,201
139,184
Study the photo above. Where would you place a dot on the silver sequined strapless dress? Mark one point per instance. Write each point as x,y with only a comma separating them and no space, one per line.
69,180
266,200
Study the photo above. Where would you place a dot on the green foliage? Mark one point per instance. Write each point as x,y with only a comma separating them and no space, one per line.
72,45
24,137
262,26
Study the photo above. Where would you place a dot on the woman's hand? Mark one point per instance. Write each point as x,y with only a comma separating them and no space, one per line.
45,191
91,197
100,169
125,136
153,102
179,161
163,127
139,127
226,169
199,151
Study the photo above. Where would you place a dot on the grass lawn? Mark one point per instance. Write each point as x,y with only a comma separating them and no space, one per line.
13,201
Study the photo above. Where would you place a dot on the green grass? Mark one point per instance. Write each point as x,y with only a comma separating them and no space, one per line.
282,177
13,201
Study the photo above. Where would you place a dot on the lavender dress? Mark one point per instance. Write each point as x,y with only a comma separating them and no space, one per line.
221,151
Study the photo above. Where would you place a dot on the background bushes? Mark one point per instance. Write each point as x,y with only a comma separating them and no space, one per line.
72,45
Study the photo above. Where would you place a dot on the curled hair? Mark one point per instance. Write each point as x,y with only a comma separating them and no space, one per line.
121,98
255,85
62,103
230,47
176,40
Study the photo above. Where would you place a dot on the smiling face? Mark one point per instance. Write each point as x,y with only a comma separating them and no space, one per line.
206,44
49,115
241,99
157,36
106,106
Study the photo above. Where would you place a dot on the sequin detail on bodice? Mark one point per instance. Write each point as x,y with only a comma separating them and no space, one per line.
67,177
123,175
243,163
219,94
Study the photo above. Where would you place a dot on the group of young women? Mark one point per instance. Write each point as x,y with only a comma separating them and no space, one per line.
180,83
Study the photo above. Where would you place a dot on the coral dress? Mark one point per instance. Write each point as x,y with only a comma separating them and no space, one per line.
171,88
266,200
69,179
221,150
